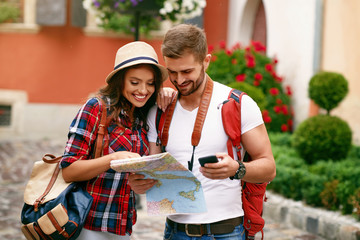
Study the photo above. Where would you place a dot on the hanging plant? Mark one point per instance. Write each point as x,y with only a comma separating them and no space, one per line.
119,15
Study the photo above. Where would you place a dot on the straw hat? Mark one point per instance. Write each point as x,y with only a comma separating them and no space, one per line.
136,53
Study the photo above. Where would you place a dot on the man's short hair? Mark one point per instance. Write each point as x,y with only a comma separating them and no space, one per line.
183,39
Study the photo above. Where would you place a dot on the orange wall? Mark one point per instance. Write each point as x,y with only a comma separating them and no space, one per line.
216,21
57,65
62,65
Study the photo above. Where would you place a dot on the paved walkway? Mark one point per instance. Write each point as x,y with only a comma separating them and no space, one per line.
16,160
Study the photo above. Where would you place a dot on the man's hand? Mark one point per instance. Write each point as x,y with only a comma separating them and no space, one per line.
140,185
223,169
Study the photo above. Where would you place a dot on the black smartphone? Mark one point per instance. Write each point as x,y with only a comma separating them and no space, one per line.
208,159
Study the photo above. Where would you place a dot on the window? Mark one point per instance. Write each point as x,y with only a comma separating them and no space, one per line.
12,106
26,21
5,115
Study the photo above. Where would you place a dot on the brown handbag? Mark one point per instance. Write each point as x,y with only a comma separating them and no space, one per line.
53,208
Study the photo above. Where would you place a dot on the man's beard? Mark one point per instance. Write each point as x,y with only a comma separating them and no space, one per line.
196,84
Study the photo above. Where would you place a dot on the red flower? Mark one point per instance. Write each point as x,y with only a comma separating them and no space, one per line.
279,79
265,112
285,109
241,77
277,109
250,61
258,76
228,52
210,48
267,119
290,123
233,61
258,46
256,83
279,101
269,67
213,58
284,128
275,61
288,91
222,44
274,91
236,46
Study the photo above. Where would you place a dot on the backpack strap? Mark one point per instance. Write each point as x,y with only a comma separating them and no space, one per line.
231,116
162,122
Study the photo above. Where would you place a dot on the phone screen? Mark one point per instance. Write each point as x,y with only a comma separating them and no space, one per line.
208,159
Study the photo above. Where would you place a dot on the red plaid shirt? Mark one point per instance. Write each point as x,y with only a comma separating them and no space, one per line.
113,209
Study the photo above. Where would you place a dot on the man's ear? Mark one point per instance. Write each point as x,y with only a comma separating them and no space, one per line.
207,61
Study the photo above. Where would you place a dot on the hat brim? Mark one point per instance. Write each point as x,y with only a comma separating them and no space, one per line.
163,70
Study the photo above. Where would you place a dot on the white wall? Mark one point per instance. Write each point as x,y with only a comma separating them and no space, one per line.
43,121
291,38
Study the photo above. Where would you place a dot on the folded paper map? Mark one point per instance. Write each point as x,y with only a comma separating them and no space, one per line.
177,190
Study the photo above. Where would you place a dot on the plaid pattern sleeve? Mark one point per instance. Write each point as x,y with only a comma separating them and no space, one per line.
113,208
82,133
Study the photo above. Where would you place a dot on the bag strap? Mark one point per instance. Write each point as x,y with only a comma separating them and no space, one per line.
99,146
202,111
200,118
51,159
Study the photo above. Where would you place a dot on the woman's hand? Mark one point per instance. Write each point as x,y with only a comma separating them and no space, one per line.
140,185
84,170
123,155
165,97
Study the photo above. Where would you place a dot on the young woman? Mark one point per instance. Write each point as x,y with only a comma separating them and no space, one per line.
132,88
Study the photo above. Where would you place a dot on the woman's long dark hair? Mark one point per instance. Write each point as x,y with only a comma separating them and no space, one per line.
114,91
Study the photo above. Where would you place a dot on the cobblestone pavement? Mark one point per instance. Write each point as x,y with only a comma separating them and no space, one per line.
16,160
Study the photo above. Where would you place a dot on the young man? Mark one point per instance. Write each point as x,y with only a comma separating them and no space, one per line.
185,53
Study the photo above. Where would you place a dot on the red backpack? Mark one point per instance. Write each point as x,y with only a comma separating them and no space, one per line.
253,194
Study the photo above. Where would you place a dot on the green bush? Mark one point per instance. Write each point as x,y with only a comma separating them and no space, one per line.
8,11
252,91
327,89
334,185
322,137
251,65
313,188
280,139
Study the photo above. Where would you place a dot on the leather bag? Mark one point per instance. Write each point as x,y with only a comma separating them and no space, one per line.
54,209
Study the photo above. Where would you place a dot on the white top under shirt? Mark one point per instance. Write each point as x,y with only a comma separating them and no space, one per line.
223,197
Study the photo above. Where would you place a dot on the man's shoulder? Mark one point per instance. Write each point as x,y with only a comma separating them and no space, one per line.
221,91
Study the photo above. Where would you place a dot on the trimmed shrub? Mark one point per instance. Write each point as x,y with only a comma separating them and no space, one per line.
322,137
280,139
327,89
253,92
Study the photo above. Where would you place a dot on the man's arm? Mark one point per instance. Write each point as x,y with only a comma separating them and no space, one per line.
260,169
